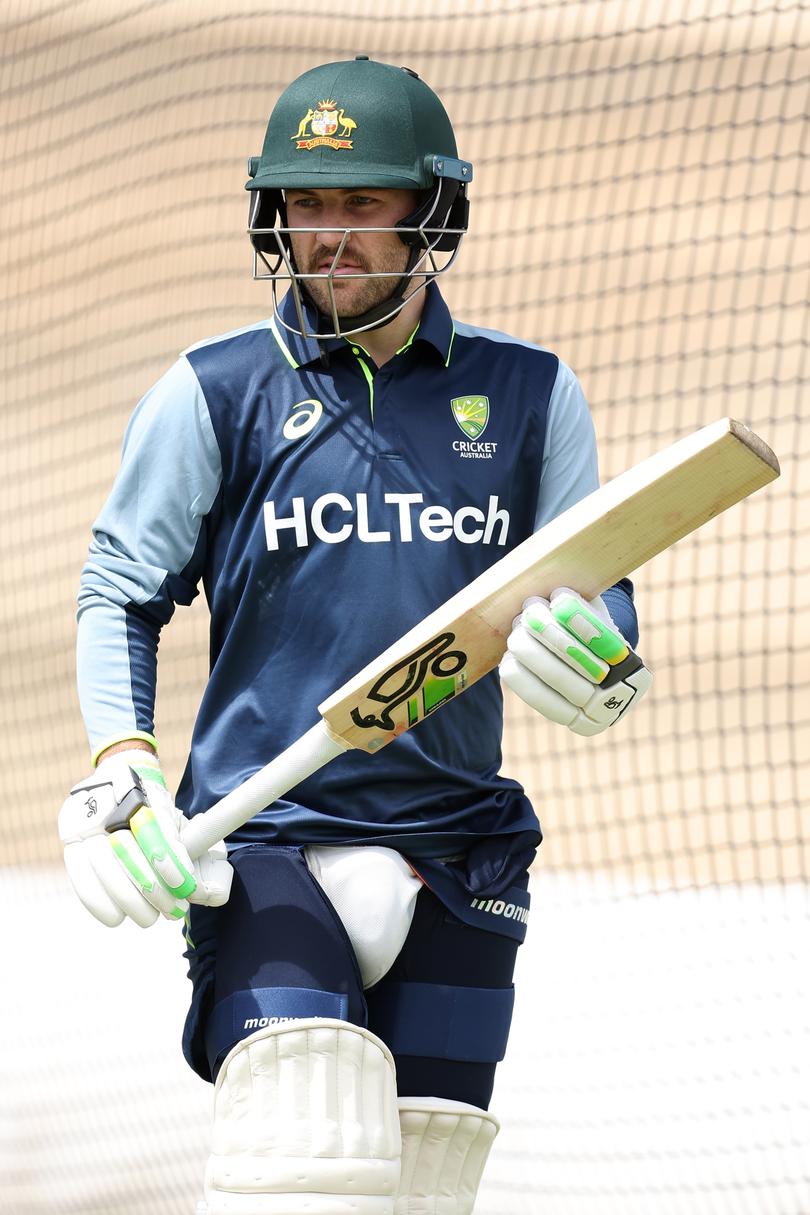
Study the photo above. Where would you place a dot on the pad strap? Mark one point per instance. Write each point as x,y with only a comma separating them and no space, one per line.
468,1024
244,1012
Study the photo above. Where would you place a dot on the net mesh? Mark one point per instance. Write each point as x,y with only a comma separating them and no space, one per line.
641,207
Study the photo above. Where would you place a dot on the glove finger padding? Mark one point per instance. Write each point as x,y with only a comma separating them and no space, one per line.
156,829
214,875
546,665
89,890
576,633
568,661
132,864
123,852
103,886
159,842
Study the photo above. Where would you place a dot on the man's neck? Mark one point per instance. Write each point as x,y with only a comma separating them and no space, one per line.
383,343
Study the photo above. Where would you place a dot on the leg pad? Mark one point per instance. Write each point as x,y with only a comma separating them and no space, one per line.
445,1145
305,1123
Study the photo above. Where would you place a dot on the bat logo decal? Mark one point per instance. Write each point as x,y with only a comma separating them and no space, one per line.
401,681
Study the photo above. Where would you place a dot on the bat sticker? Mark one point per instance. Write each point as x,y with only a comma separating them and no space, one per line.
398,683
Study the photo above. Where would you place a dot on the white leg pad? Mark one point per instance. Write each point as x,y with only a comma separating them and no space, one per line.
445,1146
305,1123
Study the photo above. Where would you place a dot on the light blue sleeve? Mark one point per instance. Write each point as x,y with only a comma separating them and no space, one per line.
570,469
145,554
569,472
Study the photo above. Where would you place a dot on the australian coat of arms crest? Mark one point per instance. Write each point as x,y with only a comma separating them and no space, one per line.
326,125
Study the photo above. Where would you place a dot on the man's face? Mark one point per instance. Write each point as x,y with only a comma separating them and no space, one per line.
364,252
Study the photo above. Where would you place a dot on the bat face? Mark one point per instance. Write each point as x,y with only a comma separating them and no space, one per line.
600,540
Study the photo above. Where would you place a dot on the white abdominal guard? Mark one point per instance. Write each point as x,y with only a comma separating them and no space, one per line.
373,890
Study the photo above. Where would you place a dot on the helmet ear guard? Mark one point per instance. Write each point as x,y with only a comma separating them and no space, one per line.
445,207
263,208
449,169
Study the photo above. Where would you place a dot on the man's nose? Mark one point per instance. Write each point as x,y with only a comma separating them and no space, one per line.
332,232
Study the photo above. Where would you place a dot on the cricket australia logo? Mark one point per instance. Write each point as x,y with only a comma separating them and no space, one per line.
472,415
329,126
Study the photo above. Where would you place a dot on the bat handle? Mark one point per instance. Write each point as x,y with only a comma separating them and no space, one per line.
303,757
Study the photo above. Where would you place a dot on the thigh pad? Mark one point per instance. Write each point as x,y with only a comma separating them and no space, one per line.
278,952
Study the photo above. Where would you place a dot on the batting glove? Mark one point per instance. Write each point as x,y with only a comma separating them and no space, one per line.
123,854
566,659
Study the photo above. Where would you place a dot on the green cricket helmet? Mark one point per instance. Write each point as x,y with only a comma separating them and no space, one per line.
358,124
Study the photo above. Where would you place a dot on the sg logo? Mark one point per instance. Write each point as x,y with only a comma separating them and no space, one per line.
303,419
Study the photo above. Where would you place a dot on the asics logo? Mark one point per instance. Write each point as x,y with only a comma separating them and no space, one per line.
305,417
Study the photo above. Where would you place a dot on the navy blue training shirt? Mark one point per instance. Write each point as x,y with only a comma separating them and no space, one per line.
326,506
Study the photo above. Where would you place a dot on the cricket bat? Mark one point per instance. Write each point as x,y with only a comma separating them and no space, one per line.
601,539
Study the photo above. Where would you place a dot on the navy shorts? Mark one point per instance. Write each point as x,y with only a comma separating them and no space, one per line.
277,951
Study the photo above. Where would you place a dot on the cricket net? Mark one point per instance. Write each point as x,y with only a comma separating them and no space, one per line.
641,205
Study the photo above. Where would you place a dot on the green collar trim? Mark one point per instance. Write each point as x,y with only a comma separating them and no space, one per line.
284,350
356,346
409,341
450,347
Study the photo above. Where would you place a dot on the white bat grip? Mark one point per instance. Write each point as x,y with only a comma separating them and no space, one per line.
303,757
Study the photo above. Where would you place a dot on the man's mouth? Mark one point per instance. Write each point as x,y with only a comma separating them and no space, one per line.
342,268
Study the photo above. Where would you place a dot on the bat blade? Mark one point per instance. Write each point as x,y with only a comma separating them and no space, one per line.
601,539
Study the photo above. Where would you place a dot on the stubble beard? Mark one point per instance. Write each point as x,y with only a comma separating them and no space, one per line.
354,296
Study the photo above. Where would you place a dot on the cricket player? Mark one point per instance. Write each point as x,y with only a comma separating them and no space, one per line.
330,475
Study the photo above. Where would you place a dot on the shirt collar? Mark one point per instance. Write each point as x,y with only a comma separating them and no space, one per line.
436,324
435,327
303,350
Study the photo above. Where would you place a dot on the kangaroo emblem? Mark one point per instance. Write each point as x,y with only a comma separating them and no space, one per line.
303,124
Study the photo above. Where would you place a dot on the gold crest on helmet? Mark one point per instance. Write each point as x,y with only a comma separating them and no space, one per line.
328,126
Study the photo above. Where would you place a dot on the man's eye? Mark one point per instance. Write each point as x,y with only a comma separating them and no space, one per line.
305,203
